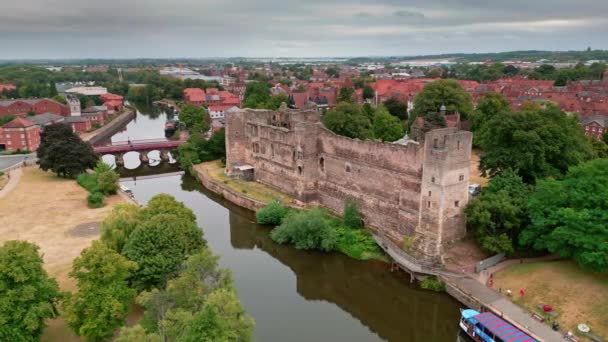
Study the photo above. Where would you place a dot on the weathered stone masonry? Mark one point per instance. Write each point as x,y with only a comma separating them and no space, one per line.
415,192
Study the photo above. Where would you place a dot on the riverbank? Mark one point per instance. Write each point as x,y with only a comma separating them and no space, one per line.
107,130
466,289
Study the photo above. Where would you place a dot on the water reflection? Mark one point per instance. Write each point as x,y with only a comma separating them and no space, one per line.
302,296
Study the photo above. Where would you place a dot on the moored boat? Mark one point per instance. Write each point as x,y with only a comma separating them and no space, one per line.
487,327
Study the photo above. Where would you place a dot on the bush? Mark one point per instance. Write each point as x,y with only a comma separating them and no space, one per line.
352,217
312,229
357,243
433,284
107,182
95,200
88,181
272,214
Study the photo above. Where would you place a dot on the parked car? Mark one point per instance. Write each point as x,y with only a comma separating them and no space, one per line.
474,189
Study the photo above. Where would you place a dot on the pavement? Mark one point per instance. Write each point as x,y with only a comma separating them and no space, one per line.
506,309
14,177
8,161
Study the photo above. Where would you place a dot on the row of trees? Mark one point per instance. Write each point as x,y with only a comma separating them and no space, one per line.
546,181
156,251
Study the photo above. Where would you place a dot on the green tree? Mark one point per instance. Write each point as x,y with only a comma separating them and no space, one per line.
275,102
347,119
196,118
535,143
63,152
346,94
256,95
569,216
28,296
107,179
385,126
159,245
52,89
119,224
600,148
488,107
166,204
307,230
396,107
272,214
6,119
368,92
443,92
136,333
60,99
103,298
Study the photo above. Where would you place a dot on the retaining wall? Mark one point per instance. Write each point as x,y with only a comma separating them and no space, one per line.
229,194
112,127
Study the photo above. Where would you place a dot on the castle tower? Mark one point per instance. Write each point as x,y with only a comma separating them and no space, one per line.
74,104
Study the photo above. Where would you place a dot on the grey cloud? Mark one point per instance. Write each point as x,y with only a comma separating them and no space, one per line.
198,28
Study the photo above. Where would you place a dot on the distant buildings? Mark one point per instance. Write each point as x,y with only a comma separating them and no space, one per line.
20,134
88,91
7,87
21,107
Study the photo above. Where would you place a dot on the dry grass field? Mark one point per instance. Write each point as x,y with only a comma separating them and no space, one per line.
53,213
578,296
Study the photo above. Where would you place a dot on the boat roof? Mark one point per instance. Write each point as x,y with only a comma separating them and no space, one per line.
501,328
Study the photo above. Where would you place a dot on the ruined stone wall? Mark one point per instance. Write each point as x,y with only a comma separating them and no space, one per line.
415,191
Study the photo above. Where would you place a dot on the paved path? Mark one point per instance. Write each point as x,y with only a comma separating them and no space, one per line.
8,161
505,308
15,176
484,275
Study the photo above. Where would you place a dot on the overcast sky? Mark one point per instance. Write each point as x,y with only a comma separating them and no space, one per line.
303,28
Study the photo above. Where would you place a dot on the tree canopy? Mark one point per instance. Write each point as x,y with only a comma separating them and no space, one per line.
488,107
28,296
568,216
396,108
347,119
499,214
103,298
385,126
256,94
196,118
537,143
443,92
63,152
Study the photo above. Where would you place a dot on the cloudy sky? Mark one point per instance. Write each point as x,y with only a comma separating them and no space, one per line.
303,28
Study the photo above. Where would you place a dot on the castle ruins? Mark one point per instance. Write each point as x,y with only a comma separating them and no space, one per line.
411,192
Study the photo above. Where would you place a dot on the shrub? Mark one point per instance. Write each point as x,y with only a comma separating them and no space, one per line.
107,182
433,284
88,181
312,229
95,200
272,214
357,243
352,216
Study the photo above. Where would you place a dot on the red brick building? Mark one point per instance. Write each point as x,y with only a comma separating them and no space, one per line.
595,125
194,96
20,134
4,87
21,107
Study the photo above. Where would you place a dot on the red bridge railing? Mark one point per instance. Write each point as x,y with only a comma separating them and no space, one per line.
138,145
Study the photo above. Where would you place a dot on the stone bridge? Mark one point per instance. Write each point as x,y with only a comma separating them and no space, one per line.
120,148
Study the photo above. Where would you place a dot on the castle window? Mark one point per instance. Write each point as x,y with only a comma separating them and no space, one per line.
432,179
458,145
272,150
435,143
430,194
300,170
322,164
428,204
461,178
347,168
457,204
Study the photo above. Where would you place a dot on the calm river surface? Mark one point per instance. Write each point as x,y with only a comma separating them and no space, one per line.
297,295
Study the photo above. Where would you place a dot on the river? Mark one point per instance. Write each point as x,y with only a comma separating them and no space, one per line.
296,295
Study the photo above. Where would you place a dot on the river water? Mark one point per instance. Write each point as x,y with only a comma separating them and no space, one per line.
296,295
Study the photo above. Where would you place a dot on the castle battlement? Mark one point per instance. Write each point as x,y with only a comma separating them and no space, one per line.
405,191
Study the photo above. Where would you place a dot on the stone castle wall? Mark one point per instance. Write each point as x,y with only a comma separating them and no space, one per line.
415,190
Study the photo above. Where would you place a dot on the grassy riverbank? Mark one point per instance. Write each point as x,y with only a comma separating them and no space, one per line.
577,296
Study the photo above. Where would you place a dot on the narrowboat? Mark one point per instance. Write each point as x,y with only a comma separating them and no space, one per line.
487,327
